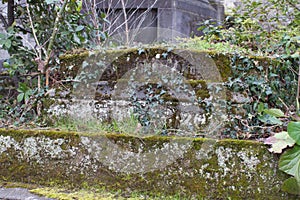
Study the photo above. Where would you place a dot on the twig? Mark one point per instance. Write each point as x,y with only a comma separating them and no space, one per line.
33,30
31,74
126,22
286,107
293,5
52,38
75,81
4,21
58,82
38,53
298,90
23,29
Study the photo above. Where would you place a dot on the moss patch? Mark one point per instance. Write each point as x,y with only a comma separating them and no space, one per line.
62,194
153,165
223,63
129,57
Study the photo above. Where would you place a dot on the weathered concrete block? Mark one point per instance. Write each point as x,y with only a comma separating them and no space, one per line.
120,77
168,18
193,168
178,80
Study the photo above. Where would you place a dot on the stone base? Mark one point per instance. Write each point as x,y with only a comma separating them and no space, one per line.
192,168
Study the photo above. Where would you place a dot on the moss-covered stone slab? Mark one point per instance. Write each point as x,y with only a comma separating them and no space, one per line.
118,61
212,169
176,83
200,88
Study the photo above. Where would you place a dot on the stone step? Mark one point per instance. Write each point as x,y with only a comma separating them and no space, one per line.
19,194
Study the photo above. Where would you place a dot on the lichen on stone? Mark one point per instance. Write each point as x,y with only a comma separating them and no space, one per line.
195,167
7,142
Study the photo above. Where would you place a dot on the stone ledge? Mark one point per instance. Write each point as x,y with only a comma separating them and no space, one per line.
213,169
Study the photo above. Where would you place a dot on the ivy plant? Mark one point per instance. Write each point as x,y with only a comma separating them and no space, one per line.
289,161
24,92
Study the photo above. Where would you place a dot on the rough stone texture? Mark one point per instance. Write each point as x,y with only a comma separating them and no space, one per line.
181,73
19,194
193,167
198,71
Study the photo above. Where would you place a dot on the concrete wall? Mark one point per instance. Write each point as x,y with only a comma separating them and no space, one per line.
229,4
172,18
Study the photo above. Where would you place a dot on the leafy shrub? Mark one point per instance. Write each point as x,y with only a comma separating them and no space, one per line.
259,26
52,27
269,29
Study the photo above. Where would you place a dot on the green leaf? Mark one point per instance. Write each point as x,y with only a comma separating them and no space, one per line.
102,15
279,142
289,161
79,28
260,107
2,36
7,44
26,97
23,88
20,97
295,55
274,112
79,6
291,186
6,65
294,131
268,119
76,38
28,94
2,42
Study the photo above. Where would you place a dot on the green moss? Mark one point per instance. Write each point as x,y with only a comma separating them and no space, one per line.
71,63
54,134
223,63
4,184
62,194
101,194
212,169
119,61
127,57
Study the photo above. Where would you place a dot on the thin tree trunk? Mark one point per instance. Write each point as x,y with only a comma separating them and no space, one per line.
10,12
126,22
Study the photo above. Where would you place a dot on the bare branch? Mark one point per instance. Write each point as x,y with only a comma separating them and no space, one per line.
293,5
33,31
126,20
4,21
52,38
